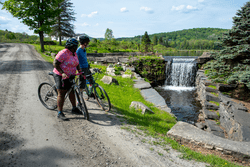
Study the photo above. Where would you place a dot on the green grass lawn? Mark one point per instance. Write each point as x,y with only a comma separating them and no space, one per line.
156,125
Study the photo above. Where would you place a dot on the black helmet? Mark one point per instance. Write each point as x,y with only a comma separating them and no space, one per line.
71,42
83,39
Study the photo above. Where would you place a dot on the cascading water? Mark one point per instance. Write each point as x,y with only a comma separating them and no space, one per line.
179,88
182,72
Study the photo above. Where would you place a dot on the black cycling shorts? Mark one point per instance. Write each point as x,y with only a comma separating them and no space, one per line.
65,84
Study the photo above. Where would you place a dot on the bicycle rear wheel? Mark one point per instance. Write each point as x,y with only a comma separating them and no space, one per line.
102,98
48,95
82,106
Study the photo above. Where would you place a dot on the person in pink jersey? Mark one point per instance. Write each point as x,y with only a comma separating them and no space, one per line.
66,64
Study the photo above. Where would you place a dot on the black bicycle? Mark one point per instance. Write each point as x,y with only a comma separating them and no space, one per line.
47,94
97,92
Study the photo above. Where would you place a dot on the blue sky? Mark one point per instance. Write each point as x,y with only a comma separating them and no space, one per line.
133,17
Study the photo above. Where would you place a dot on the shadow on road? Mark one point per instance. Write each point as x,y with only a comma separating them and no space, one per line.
9,156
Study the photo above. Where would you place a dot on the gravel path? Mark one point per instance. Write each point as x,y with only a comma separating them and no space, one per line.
31,135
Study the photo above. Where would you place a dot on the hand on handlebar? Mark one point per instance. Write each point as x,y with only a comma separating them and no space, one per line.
64,76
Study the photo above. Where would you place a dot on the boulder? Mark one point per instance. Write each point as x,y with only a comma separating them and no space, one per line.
205,57
109,80
139,105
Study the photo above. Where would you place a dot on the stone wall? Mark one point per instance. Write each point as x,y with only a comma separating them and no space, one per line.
228,120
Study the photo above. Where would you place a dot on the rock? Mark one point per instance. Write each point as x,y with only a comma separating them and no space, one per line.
205,57
111,70
139,105
199,125
53,55
126,76
131,68
210,115
109,80
142,85
226,88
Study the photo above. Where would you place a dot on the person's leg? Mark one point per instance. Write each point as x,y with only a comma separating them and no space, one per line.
72,99
60,98
60,102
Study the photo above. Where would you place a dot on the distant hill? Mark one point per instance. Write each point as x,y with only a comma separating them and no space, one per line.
186,34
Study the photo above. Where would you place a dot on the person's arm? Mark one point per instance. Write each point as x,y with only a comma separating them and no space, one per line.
56,64
78,68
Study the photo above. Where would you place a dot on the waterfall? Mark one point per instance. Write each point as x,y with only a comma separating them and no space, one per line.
181,72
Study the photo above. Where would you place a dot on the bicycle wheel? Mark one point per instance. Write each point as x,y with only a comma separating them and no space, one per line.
81,105
102,98
48,95
85,94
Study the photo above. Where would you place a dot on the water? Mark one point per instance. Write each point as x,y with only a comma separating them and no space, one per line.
182,102
179,90
183,53
182,72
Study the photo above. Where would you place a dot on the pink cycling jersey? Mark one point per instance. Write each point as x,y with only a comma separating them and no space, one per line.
68,62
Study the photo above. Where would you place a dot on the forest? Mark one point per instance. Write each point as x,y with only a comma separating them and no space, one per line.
190,39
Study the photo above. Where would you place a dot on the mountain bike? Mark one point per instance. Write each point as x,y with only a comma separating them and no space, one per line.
97,92
47,94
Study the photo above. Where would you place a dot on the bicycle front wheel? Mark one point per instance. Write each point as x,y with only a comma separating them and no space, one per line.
48,95
102,98
82,106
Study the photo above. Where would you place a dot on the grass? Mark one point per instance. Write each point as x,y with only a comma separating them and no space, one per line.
211,86
155,125
214,102
216,94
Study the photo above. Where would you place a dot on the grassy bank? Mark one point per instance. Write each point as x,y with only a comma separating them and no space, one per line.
155,125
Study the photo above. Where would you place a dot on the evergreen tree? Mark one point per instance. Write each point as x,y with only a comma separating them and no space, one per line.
146,41
63,26
155,40
232,63
160,41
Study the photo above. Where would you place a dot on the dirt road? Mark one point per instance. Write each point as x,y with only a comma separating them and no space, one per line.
31,135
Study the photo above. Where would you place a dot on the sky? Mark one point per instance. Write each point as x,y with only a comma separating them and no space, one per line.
131,18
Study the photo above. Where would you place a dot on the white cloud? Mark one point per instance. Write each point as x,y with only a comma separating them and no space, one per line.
97,24
191,7
85,24
124,9
110,22
4,18
181,7
200,0
147,9
89,15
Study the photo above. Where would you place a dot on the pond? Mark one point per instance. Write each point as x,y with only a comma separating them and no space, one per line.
183,53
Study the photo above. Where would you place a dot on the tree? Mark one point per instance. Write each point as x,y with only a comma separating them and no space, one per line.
108,34
63,26
232,63
38,15
160,41
146,40
155,40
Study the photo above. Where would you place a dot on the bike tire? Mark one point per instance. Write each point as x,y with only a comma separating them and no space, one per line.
82,106
85,94
102,98
48,95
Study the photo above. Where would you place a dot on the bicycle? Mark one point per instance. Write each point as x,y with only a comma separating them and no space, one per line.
48,95
99,94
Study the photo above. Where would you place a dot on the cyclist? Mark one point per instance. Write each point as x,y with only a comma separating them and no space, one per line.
82,57
65,65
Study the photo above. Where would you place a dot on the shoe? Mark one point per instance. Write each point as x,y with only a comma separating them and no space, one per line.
76,111
62,116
